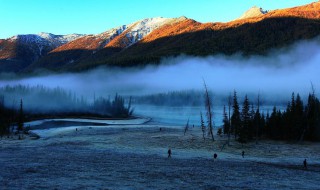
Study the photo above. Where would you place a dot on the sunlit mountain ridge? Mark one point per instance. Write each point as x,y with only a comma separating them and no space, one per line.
149,40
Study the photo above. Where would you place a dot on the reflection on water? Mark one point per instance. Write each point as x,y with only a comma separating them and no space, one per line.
180,115
176,115
165,115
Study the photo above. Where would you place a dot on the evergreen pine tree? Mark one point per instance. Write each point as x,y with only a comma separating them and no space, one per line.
279,131
257,124
251,130
293,103
257,120
287,122
235,118
245,121
312,117
2,117
291,118
300,118
226,124
21,117
272,123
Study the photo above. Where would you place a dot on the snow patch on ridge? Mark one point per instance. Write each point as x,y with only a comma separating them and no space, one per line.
109,35
144,27
134,31
253,12
46,39
43,40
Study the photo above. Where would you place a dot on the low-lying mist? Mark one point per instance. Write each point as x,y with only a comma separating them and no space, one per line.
275,75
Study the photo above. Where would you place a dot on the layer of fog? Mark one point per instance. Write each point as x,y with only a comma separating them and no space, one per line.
276,75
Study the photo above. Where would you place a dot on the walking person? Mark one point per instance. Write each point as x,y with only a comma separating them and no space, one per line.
243,154
215,156
305,163
169,153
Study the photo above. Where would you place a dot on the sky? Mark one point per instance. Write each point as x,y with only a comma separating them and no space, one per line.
97,16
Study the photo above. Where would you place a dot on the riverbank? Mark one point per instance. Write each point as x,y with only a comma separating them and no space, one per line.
35,117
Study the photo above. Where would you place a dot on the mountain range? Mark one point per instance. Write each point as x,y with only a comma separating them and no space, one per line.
149,40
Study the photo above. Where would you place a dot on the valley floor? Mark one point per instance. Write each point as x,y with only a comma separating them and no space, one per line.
135,157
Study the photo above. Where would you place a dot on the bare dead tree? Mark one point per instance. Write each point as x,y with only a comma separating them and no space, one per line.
307,126
186,127
312,89
203,127
209,111
229,118
12,116
258,124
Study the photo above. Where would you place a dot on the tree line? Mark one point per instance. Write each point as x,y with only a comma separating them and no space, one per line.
7,117
13,115
173,98
42,100
297,122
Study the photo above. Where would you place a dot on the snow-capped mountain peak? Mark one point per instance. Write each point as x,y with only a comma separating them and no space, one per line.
253,12
133,32
59,39
150,23
46,38
46,35
144,27
43,42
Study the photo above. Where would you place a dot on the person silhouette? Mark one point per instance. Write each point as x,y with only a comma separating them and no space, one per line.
305,163
215,155
243,154
169,153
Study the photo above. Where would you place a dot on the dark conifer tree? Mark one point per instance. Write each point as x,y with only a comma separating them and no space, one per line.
272,123
20,117
266,130
262,124
287,122
235,118
257,120
312,117
300,118
290,117
295,123
3,111
245,121
251,129
229,118
257,124
278,131
226,124
293,103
